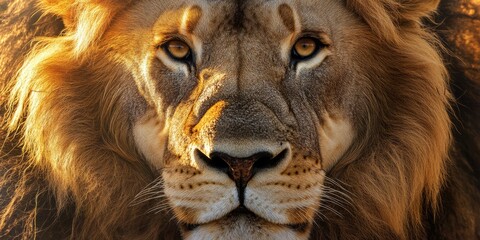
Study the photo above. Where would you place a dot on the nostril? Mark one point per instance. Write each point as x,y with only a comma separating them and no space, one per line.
214,162
269,162
241,170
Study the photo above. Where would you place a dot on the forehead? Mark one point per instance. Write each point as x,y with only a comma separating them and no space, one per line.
207,18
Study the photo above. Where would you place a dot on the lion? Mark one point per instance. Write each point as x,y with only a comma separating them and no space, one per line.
249,119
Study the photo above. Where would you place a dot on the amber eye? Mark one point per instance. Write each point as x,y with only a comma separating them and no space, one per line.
305,47
178,50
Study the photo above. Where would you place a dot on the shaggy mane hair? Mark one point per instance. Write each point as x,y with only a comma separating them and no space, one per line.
71,169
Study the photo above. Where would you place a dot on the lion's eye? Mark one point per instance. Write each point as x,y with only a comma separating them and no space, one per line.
305,48
178,50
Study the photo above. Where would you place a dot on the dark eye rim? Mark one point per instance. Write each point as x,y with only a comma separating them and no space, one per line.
188,59
319,45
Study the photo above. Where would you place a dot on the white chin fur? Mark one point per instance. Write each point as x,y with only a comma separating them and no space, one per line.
242,228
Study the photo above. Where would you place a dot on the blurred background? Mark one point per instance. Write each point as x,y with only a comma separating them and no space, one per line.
458,25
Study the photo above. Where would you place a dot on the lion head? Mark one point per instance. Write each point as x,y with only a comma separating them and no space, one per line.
237,119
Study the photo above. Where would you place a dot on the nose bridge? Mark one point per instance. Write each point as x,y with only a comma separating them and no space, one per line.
240,105
247,67
249,99
239,127
240,118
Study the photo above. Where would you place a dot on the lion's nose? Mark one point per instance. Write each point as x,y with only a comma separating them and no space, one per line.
241,170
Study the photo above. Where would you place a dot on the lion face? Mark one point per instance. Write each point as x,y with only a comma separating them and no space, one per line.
243,108
254,119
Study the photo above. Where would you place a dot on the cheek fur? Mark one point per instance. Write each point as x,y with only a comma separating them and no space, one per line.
150,135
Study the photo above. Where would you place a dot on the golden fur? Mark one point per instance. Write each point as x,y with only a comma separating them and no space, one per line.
66,108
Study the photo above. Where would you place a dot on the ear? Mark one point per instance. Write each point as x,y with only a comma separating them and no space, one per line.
387,17
85,20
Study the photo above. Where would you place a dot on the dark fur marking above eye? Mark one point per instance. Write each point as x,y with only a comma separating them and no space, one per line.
193,18
286,13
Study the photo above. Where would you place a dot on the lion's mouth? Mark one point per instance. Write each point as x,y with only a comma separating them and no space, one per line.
243,211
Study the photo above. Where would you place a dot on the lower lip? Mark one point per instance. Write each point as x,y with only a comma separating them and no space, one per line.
243,211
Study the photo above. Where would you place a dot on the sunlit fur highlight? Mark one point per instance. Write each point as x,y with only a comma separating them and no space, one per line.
402,167
94,169
91,172
388,176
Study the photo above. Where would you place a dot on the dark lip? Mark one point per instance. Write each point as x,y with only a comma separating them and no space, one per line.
242,210
187,227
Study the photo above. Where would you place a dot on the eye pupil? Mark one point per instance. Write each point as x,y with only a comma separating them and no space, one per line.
178,49
305,47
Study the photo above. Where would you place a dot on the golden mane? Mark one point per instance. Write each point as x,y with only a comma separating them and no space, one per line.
59,96
57,82
395,182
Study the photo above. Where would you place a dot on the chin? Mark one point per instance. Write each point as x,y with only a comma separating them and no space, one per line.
244,224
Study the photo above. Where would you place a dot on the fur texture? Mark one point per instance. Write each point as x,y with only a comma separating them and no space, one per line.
73,168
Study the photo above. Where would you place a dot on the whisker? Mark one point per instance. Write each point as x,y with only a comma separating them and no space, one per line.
332,210
153,190
337,194
339,184
322,217
334,194
337,203
159,208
